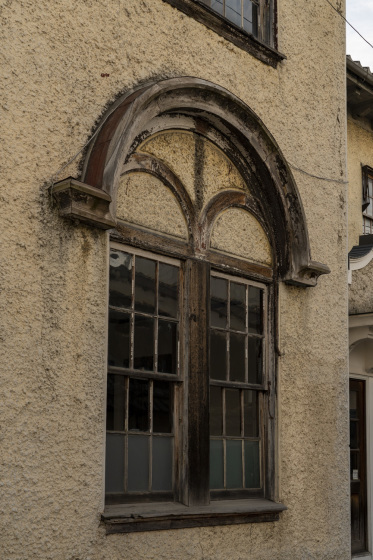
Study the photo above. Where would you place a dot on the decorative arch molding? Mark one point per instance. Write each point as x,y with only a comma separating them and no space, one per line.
215,113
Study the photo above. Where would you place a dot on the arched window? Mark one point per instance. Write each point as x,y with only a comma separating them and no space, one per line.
207,222
191,312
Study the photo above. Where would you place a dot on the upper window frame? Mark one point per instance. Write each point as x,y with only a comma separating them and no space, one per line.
367,199
264,48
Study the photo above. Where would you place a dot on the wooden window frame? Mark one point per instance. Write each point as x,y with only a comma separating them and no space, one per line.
131,373
263,47
194,504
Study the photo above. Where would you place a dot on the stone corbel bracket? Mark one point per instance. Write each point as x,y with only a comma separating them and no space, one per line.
82,202
307,276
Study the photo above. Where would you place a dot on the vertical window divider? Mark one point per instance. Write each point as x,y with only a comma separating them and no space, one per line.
246,333
126,385
224,438
243,462
242,412
225,462
156,318
151,431
227,327
132,315
126,461
242,436
150,444
198,384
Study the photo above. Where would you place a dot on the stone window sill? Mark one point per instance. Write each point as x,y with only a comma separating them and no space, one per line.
229,31
130,518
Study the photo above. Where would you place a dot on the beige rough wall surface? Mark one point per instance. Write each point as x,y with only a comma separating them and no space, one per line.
177,150
359,153
144,200
54,275
360,295
237,232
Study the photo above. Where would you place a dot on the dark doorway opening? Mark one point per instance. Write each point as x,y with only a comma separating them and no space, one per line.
358,470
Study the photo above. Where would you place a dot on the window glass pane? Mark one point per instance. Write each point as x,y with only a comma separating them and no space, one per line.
162,464
250,414
144,343
138,463
250,17
255,310
254,360
219,302
232,412
119,339
216,464
216,5
247,16
234,463
162,407
237,357
138,413
370,187
252,465
120,279
233,11
218,355
145,285
115,403
238,307
167,347
216,411
168,290
114,470
369,209
353,404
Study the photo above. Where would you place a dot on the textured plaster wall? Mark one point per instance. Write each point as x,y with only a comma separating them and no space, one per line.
53,275
360,296
359,153
237,232
144,200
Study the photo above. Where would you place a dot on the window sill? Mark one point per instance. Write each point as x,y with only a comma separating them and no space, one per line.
130,518
229,31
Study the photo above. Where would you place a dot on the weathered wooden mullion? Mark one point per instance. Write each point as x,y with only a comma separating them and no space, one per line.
126,388
198,273
268,408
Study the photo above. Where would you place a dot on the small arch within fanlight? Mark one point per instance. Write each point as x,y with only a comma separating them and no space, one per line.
212,112
144,200
237,232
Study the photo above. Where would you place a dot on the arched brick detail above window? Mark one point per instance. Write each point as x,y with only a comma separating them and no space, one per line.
216,114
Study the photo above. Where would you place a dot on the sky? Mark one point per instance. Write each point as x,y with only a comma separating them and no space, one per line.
360,14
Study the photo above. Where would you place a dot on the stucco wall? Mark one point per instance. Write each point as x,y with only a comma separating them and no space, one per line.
360,296
359,153
54,275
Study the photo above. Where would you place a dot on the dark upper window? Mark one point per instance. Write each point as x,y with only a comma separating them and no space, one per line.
243,13
249,24
367,199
